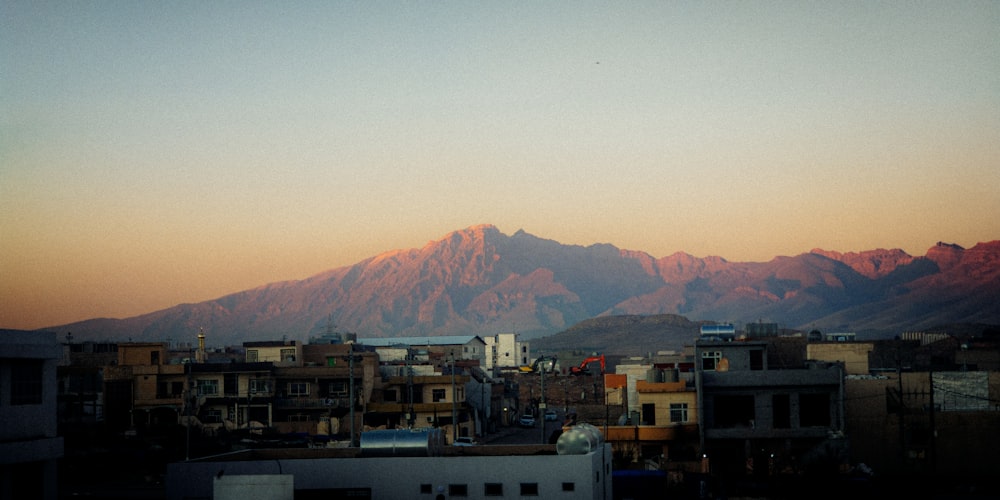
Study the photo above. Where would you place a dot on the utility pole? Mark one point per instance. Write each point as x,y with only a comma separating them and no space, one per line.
351,358
410,417
454,402
930,381
541,405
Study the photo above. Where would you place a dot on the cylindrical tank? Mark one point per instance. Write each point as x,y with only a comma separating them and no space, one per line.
401,442
579,439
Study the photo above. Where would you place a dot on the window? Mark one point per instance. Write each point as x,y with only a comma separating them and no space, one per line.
678,412
26,382
208,387
252,355
231,384
213,416
437,395
493,489
709,360
458,490
814,410
338,388
259,385
648,414
390,395
782,411
298,389
569,486
154,358
288,354
529,489
734,411
426,488
757,359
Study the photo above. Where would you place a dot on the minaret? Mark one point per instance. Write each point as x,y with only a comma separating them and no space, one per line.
201,355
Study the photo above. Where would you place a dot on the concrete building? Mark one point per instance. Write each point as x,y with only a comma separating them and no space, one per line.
29,444
506,351
403,471
466,347
764,408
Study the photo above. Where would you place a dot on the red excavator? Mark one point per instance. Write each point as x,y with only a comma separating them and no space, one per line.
583,370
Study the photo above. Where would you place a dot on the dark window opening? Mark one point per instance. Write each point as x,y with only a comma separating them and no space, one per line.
26,383
757,359
529,489
569,486
648,414
426,488
814,410
734,411
493,489
458,490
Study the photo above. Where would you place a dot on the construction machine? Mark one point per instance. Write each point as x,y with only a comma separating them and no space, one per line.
543,363
583,369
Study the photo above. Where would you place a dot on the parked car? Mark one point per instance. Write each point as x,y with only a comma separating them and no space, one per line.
527,420
550,416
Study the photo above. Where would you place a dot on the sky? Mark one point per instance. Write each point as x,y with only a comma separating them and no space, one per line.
158,153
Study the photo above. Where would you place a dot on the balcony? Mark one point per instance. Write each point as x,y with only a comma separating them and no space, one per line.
307,402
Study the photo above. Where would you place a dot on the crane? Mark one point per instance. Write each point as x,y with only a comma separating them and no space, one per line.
583,369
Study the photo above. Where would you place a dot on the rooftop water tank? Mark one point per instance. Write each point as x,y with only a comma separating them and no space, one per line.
401,442
579,439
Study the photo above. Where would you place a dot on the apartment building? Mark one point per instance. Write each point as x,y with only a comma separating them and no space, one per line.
29,444
764,408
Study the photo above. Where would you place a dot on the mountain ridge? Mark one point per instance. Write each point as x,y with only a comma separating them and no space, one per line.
480,281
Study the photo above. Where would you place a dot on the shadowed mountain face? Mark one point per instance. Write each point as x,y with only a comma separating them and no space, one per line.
479,281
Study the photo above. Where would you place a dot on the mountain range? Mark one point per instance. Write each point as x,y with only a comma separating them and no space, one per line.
480,281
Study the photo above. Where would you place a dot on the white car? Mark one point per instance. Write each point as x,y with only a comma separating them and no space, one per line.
527,420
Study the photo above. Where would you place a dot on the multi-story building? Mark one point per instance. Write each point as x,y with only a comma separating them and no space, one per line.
926,408
424,395
465,347
506,351
764,408
316,396
29,444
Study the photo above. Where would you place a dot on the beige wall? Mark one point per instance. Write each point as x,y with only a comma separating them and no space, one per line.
853,354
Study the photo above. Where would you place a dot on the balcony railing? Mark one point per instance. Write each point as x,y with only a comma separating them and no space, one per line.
307,402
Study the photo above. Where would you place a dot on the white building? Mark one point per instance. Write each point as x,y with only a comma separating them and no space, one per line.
504,350
401,471
470,347
29,444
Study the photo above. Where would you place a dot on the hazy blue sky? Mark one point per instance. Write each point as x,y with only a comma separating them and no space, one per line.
153,153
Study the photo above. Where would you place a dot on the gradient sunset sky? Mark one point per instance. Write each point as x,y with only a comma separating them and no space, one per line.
156,153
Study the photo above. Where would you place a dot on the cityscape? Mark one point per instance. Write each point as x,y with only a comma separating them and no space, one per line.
753,411
495,250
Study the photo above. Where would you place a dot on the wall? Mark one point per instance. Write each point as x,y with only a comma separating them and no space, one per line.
401,477
853,354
